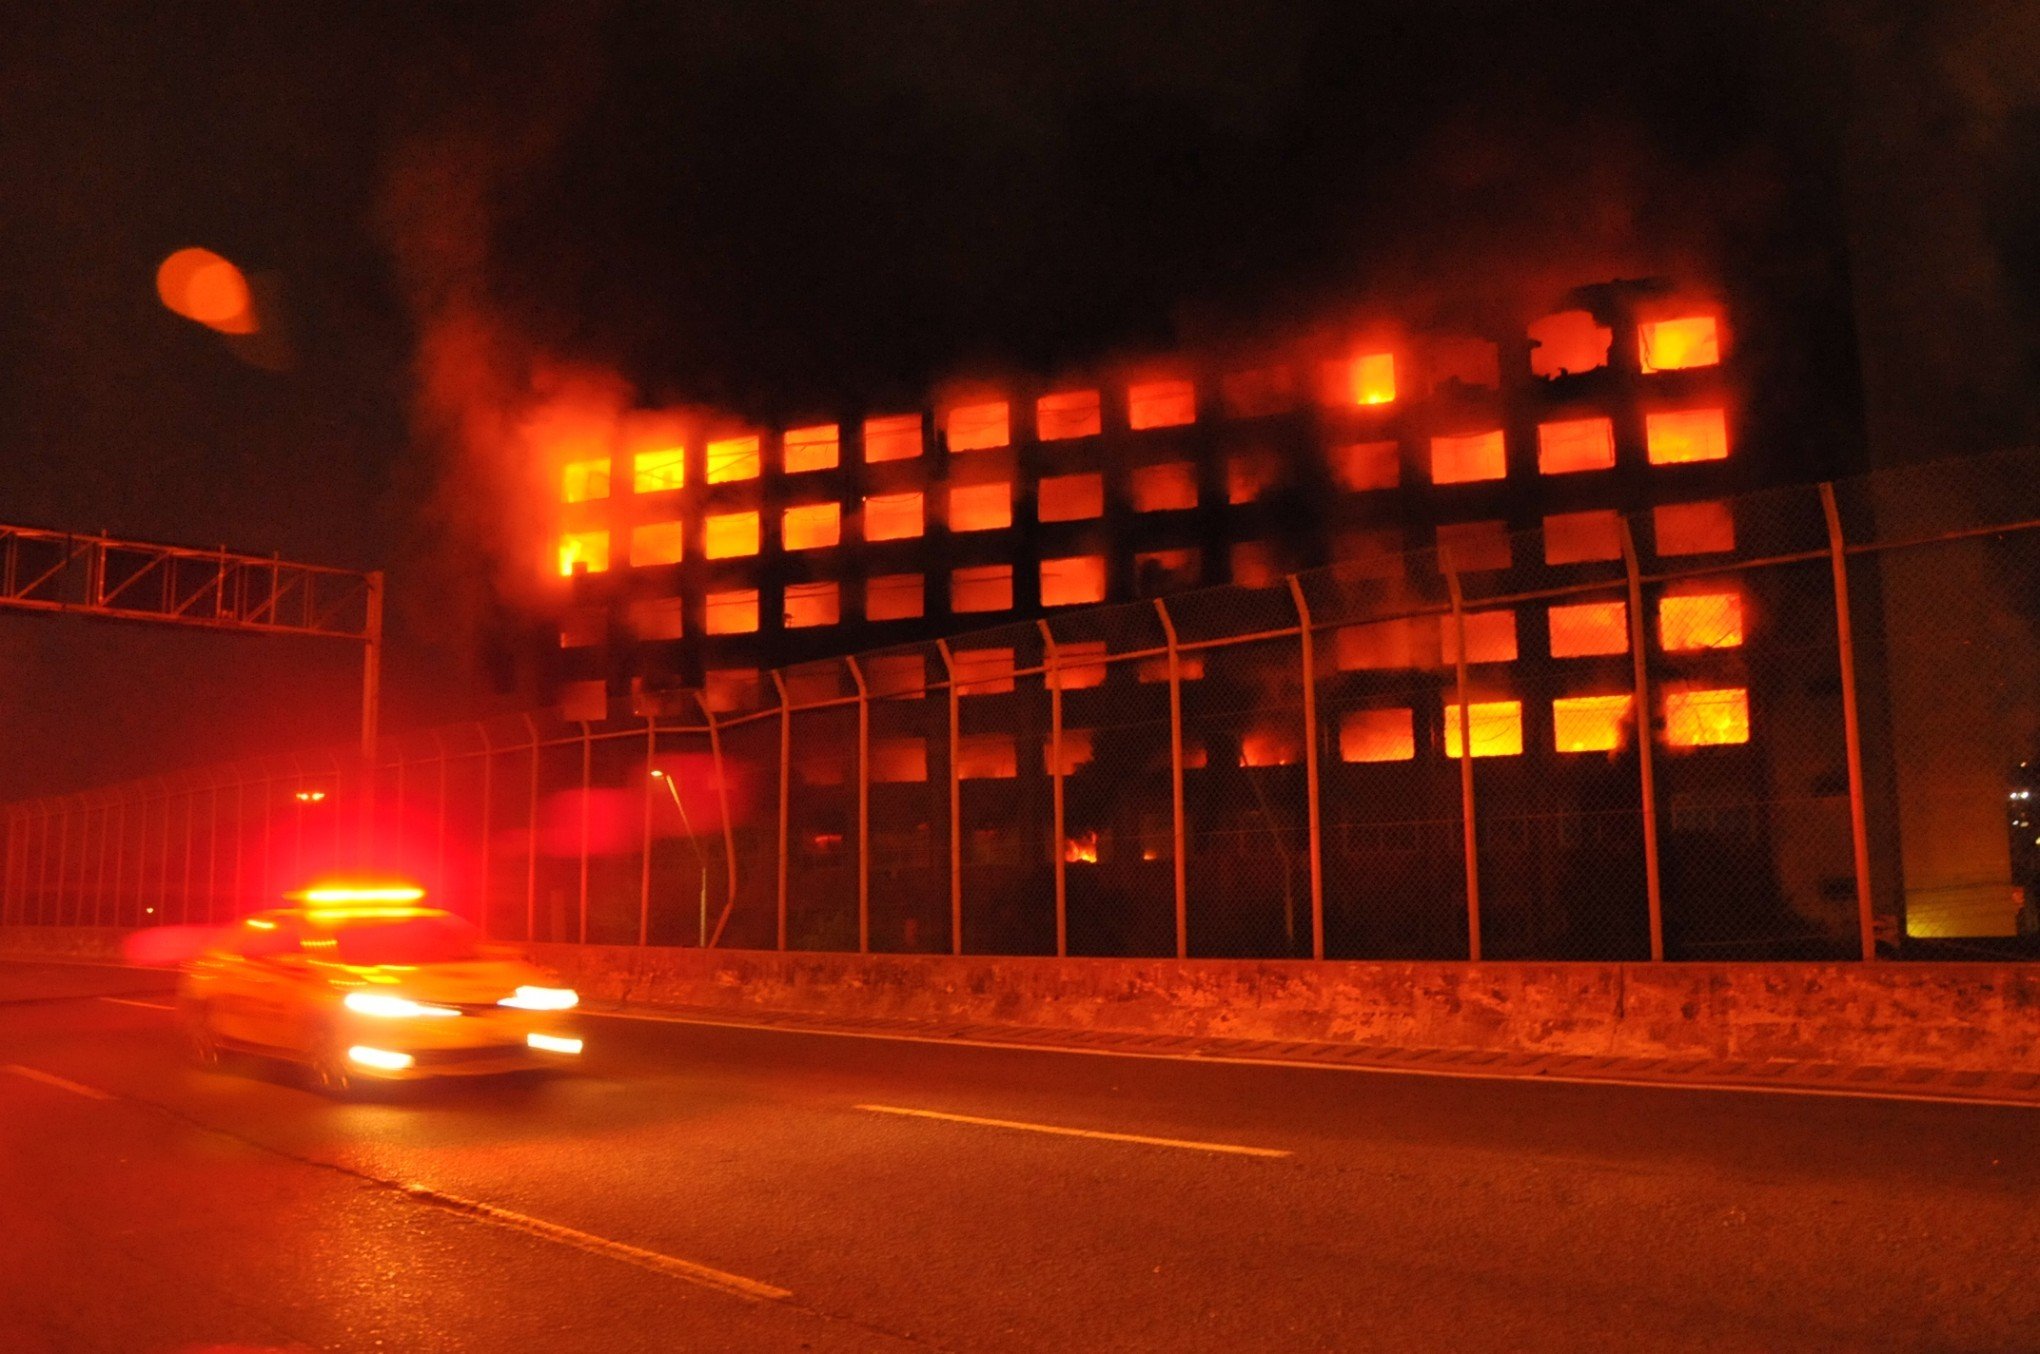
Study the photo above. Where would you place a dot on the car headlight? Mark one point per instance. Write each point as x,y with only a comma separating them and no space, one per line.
543,999
388,1006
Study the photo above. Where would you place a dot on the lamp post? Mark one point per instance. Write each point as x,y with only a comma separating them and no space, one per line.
694,843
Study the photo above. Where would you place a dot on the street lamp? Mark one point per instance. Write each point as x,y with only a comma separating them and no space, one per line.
692,841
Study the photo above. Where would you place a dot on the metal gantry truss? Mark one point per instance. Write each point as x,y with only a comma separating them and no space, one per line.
92,575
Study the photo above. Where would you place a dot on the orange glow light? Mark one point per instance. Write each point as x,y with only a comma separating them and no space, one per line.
581,481
1076,581
1588,628
654,543
1361,466
1078,665
1375,646
1377,736
894,597
732,613
895,438
1165,488
899,761
979,427
1248,477
584,550
986,756
1160,404
1463,460
1490,638
893,517
1081,849
1575,445
728,535
1497,728
1589,723
1370,379
980,507
203,287
1270,747
1704,718
815,448
1674,345
656,471
1693,528
1070,498
983,672
1067,414
1076,752
811,526
1581,537
1258,392
984,587
1686,435
326,894
1700,621
732,458
811,604
1570,342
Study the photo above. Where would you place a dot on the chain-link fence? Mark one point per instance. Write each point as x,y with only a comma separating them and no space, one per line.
1798,724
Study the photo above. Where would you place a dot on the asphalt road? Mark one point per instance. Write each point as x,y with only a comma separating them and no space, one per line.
706,1188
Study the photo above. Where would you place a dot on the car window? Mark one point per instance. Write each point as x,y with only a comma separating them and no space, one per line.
406,940
265,938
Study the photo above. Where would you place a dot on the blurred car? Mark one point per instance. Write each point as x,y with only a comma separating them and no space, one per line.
362,984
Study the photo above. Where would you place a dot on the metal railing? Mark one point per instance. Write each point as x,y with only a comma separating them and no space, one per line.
1786,725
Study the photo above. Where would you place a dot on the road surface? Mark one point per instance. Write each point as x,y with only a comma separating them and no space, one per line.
706,1188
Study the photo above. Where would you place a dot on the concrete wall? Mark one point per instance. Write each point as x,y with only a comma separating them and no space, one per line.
1960,1016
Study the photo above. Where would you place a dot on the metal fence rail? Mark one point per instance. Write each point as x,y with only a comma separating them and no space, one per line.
1785,725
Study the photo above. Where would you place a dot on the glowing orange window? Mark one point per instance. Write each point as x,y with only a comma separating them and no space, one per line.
814,448
654,472
986,756
1189,668
811,526
583,551
1574,445
1160,404
900,676
1589,723
1075,581
1474,547
732,613
1258,392
1581,537
733,458
1365,380
1711,620
1674,345
1387,735
1079,665
1376,646
811,604
1360,466
1703,718
727,535
894,438
581,481
983,587
894,597
899,761
1248,477
1463,460
983,672
1165,488
1497,728
980,507
1587,628
582,627
656,543
1465,361
1070,498
1570,342
1076,752
978,427
1271,746
1693,528
656,617
1686,435
1253,564
1490,638
1067,414
893,517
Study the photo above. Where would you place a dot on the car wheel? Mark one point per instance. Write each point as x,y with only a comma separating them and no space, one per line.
330,1073
200,1037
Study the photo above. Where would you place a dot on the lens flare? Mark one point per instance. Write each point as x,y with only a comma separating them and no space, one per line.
207,289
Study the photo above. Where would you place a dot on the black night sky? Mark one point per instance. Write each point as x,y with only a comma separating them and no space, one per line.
772,206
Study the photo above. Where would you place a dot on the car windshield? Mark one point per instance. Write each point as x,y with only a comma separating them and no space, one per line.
405,940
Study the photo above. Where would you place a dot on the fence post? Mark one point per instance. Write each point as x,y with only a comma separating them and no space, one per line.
863,808
644,903
1646,749
785,797
722,803
531,841
1852,729
488,828
1307,642
1466,803
1176,780
1059,832
587,785
955,803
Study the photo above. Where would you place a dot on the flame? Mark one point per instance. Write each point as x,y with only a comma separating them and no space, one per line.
1675,345
1081,849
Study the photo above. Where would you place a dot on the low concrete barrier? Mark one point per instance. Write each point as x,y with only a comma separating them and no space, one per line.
1981,1017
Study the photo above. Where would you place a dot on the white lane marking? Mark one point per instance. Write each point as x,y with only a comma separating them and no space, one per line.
51,1079
145,1005
1448,1073
1058,1130
720,1280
